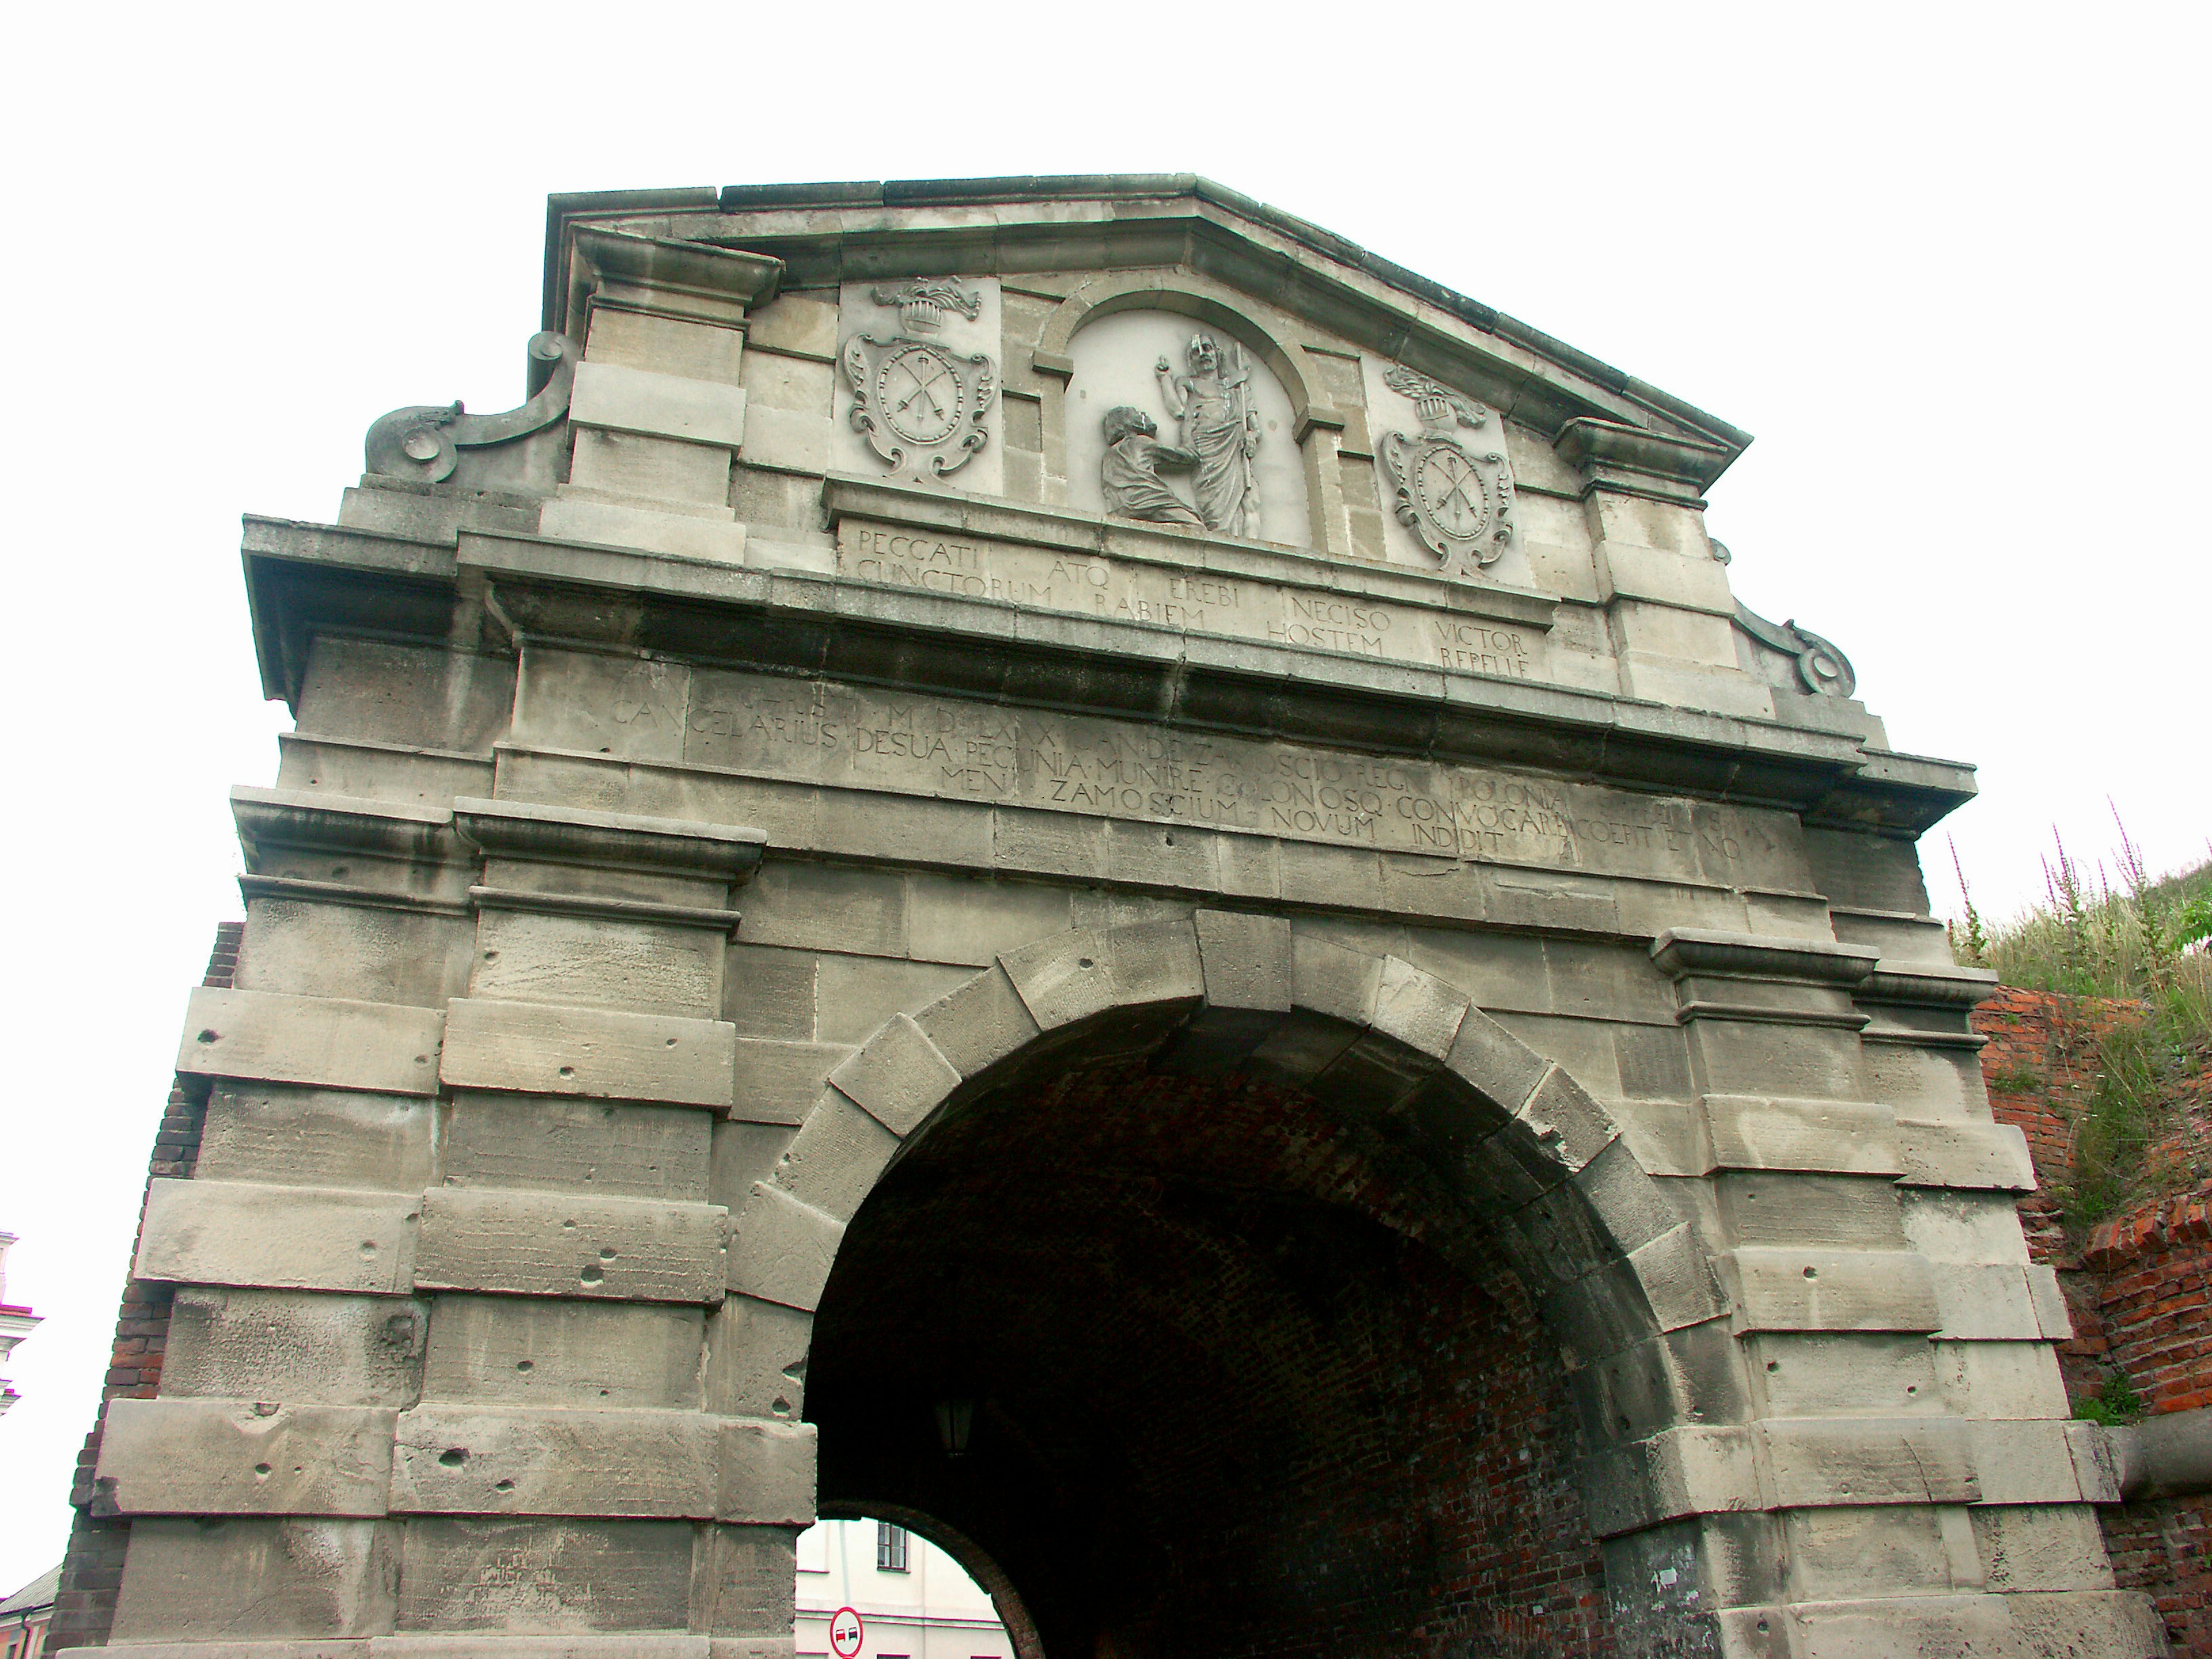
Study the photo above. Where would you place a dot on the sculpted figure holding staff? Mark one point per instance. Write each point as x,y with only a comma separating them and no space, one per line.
1214,402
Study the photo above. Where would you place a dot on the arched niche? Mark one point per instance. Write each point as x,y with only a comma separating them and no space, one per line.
1099,349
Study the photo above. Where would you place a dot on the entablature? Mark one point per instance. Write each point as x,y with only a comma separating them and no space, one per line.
504,590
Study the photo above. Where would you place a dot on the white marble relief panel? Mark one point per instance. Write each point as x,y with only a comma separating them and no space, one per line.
1461,511
1221,453
924,376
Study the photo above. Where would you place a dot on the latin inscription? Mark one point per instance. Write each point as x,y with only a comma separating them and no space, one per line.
859,738
1294,618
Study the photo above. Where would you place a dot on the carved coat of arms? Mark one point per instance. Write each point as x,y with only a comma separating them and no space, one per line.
1456,497
920,404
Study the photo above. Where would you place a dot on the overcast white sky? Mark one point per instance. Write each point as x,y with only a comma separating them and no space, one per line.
1947,263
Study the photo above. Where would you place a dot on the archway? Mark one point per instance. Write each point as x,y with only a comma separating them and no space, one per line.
1281,1296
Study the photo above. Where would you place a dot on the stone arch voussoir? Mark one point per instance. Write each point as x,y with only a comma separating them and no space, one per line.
1619,1277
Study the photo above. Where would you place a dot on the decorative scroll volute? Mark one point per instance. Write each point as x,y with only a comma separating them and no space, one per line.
422,442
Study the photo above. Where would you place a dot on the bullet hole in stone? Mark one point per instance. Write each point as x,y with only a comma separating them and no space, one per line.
502,1485
525,1364
1762,1628
604,1393
567,1071
672,1042
454,1456
1912,1388
260,1471
340,870
591,1275
207,1036
368,1249
569,1226
266,1408
780,1407
1774,1365
607,1255
1812,1273
1082,961
606,749
1170,840
491,955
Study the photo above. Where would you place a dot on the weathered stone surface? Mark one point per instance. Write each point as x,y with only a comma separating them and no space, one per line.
496,1350
636,966
292,1136
544,1576
568,1145
1246,999
228,1233
777,1082
782,1249
294,1346
1816,1289
533,1244
898,1077
550,1050
472,1460
236,1581
267,1037
244,1457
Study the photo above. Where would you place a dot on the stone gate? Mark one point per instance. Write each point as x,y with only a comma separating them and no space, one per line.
1062,859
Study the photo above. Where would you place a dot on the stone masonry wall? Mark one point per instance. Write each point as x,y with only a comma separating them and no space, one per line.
2138,1287
91,1569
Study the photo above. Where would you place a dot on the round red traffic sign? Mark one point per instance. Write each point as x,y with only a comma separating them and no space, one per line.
845,1633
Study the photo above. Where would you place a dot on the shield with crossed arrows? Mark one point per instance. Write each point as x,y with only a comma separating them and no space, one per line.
1459,500
920,403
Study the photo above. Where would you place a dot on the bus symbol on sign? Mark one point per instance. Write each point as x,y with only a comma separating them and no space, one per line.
845,1633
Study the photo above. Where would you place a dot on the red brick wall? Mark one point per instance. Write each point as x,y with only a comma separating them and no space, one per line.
92,1571
2139,1286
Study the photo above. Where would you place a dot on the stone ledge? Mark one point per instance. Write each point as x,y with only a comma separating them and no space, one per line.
624,841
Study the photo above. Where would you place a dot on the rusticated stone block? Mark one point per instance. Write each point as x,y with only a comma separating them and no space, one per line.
544,1049
267,1037
529,1243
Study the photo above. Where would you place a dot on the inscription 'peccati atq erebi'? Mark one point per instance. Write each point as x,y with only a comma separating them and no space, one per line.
1300,618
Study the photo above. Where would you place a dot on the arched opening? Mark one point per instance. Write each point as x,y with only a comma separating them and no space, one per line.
1243,1331
901,1584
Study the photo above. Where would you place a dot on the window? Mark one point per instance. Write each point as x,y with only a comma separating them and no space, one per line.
891,1547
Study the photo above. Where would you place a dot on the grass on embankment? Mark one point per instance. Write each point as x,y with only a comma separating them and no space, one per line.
2141,945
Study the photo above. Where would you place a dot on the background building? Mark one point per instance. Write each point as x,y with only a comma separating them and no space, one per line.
913,1600
25,1615
15,1324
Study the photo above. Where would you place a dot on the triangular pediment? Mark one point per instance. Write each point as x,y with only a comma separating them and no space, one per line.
1061,231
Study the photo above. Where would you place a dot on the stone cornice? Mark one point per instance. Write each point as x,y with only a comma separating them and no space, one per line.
307,578
299,818
567,835
1680,952
688,279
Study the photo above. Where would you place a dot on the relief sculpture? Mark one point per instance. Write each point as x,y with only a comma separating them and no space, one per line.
920,404
1458,500
1220,429
1130,473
